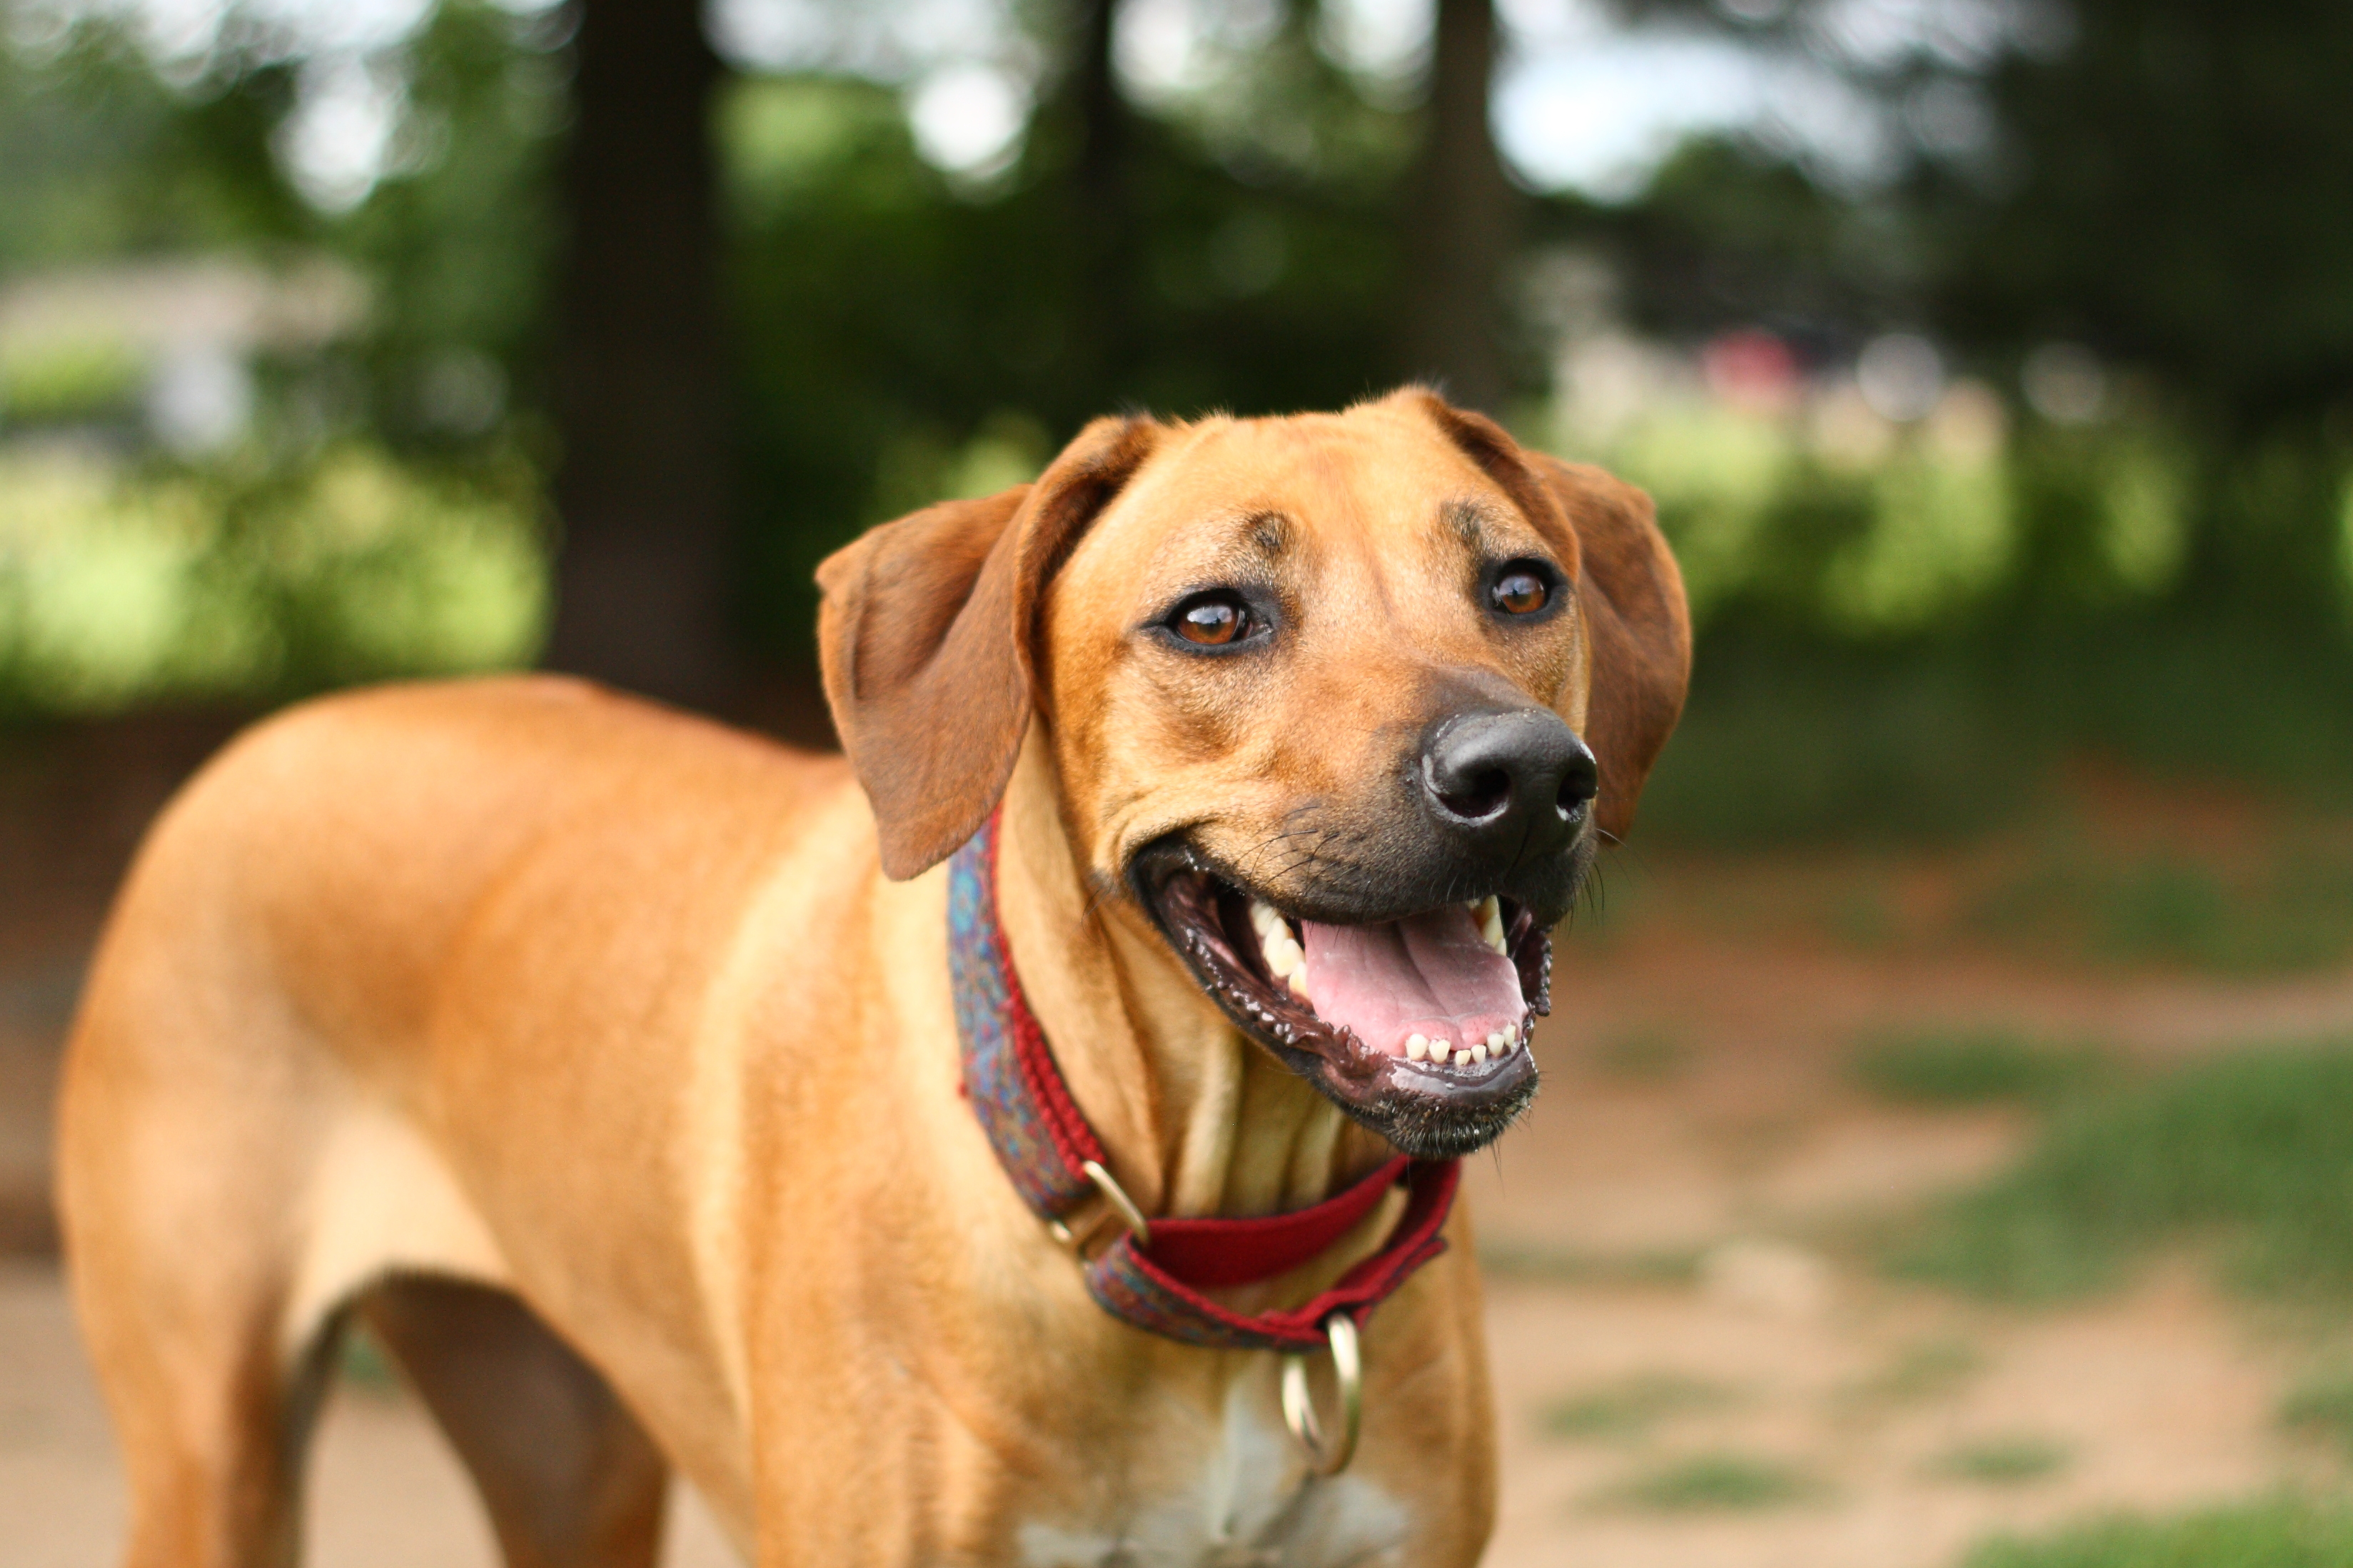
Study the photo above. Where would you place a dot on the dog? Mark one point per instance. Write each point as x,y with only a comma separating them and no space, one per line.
1027,1138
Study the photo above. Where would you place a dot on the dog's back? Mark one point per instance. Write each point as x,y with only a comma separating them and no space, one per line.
277,1020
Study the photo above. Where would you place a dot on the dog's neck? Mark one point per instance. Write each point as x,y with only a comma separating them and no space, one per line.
1198,1119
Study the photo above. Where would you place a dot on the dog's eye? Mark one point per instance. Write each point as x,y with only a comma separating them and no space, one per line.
1520,591
1211,620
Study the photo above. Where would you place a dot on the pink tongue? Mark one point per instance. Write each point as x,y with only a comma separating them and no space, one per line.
1430,975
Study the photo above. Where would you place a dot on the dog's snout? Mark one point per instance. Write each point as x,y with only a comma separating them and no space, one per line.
1511,783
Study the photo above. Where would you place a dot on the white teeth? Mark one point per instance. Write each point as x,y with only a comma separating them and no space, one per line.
1463,1058
1496,1042
1285,960
1415,1048
1511,1035
1439,1049
1491,922
1478,1053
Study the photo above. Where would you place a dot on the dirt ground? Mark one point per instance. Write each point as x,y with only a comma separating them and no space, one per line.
1694,1370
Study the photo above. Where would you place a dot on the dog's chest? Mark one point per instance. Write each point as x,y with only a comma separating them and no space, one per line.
1248,1505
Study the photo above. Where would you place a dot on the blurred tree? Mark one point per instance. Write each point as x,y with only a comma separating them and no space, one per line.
461,237
2170,192
1459,219
644,487
2172,189
99,158
1104,221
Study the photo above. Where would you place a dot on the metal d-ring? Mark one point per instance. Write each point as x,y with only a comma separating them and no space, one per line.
1116,1199
1326,1458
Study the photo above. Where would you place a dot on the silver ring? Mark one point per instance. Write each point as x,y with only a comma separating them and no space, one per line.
1299,1406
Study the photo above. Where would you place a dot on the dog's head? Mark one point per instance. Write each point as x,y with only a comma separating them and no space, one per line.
1342,702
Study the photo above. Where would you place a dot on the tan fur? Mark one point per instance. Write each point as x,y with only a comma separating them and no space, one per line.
518,982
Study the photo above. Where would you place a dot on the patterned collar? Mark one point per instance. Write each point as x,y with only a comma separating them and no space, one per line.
1043,1141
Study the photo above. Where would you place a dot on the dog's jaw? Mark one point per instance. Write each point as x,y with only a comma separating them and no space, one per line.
1426,1107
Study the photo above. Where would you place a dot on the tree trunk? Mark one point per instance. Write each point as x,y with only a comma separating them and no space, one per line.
1104,221
1459,220
642,394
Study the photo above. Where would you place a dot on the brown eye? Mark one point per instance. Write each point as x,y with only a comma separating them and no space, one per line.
1520,593
1211,621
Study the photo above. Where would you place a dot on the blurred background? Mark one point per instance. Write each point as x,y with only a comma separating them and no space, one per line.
1947,1151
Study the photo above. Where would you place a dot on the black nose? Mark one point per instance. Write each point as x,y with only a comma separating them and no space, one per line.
1511,783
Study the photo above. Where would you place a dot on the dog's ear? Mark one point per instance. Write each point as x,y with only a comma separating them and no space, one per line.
1637,622
926,634
1630,593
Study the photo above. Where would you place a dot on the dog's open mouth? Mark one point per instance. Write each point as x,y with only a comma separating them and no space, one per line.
1416,1025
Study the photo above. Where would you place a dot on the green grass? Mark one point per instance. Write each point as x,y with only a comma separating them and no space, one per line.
1926,1369
2293,911
2004,1461
1969,1066
1714,1483
1792,737
2253,1149
2282,1532
2321,1406
1631,1406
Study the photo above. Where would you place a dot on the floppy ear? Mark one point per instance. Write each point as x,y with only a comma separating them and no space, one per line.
1630,593
925,635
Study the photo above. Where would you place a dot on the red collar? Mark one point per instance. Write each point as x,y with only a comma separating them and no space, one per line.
1044,1145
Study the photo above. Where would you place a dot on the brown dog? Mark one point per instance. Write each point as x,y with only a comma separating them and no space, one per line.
606,1062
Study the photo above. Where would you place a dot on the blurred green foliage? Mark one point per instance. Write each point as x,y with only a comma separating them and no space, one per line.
2280,1532
2321,1404
1631,1406
1970,1066
119,587
1902,626
2003,1461
1715,1483
2251,1150
103,158
2290,911
903,340
1925,1369
381,513
2163,190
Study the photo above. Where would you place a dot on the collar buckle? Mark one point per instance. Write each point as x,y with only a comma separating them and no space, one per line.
1117,1205
1327,1453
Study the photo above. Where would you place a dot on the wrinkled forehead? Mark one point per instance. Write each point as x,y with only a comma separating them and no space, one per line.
1374,483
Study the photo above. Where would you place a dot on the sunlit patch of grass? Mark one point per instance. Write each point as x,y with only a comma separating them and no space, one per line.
1631,1406
122,586
1966,1066
2321,1406
1714,1483
2003,1461
1927,1369
2293,912
2280,1532
2255,1149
